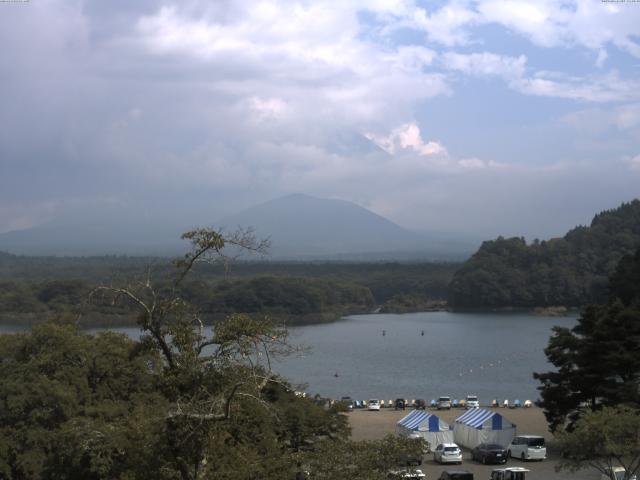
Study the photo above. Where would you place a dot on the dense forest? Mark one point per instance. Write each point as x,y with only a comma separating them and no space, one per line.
35,288
569,271
182,402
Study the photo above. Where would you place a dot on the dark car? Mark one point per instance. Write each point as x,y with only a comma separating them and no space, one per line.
421,404
347,402
399,404
456,475
409,459
489,453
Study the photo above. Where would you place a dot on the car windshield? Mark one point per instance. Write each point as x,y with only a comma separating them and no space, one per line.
462,476
444,399
535,442
472,399
619,475
495,447
450,449
373,401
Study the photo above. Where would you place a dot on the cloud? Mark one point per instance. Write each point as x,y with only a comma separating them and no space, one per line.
634,163
486,64
407,137
213,106
600,88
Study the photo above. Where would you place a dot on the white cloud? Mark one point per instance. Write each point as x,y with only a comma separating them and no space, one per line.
609,87
407,137
486,64
634,163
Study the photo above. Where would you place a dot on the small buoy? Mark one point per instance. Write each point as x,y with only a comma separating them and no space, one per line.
384,332
336,374
422,333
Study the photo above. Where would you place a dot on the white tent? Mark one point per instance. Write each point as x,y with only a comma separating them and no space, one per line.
483,426
425,425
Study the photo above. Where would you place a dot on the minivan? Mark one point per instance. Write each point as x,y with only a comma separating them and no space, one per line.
528,447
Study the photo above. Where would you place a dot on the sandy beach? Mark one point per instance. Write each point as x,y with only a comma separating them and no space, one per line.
375,425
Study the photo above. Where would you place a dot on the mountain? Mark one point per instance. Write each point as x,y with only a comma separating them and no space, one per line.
304,226
300,227
568,271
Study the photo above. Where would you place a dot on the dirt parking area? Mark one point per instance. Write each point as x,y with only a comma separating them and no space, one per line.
367,425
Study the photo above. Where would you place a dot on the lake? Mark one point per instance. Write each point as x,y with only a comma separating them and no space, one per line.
420,355
491,355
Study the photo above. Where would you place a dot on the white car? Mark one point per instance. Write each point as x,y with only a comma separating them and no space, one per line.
447,453
472,402
406,474
528,447
509,473
373,404
618,474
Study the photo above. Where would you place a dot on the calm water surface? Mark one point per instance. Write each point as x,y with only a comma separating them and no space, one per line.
487,354
491,355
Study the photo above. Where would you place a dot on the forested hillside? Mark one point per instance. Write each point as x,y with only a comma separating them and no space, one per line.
570,271
33,289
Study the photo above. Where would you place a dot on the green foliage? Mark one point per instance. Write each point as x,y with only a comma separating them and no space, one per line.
74,405
602,440
569,271
297,292
285,295
597,362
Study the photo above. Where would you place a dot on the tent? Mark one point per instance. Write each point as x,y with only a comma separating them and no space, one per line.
421,424
478,426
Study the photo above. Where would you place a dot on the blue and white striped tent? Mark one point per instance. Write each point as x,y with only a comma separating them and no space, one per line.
420,423
478,426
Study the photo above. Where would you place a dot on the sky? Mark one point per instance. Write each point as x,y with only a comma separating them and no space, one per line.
474,117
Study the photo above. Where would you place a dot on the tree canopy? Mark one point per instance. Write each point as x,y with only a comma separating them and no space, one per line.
604,440
597,362
568,271
185,402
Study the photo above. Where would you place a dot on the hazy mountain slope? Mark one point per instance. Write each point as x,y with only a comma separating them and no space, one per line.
570,271
304,225
301,227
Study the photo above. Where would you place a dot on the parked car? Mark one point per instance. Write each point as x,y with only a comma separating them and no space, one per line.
421,404
471,402
616,473
409,474
489,453
456,475
347,402
410,459
447,453
374,404
510,473
528,447
444,403
399,404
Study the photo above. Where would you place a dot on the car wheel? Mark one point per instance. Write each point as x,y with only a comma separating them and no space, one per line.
522,456
509,454
484,460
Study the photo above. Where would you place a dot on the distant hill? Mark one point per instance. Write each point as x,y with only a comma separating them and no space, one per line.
569,271
301,226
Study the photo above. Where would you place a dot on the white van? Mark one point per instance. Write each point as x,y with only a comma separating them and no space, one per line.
528,447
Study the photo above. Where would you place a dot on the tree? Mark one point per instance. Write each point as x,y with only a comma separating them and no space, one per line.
597,362
602,440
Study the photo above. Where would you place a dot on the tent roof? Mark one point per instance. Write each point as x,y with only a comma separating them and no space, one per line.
476,417
417,417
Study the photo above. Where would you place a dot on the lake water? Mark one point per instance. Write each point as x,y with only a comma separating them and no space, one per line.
491,355
487,354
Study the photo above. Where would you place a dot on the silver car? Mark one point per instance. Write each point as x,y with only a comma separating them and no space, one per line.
447,453
444,403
